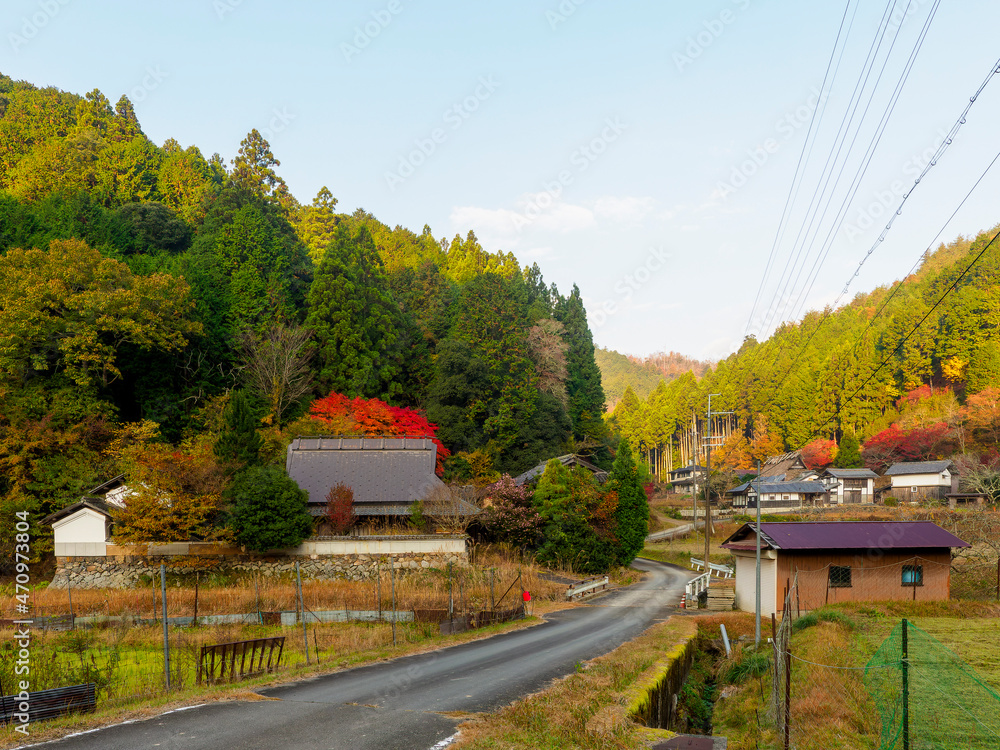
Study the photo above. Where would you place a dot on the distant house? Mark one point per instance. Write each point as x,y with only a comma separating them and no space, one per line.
922,480
778,495
849,486
842,562
685,479
386,475
786,467
570,460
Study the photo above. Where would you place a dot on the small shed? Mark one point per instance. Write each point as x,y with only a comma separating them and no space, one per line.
849,486
842,561
81,529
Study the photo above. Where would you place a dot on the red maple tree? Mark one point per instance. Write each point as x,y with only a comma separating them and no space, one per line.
375,418
819,453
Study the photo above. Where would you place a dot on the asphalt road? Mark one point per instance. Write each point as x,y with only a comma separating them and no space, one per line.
403,703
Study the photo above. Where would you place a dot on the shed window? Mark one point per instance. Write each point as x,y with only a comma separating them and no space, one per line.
913,489
840,576
913,575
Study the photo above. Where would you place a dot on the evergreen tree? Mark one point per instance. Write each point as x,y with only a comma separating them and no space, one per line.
239,443
848,453
984,368
632,514
355,321
586,395
268,509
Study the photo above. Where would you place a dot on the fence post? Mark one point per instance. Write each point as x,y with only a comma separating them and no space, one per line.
905,664
788,689
451,597
493,603
166,631
378,587
197,577
392,574
302,604
774,681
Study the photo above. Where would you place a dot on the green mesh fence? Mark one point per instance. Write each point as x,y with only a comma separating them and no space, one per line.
929,699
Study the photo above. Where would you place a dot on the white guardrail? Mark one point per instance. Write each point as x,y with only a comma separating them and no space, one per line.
696,585
589,586
722,571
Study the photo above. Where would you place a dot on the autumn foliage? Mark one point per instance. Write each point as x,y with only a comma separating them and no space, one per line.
340,508
819,453
341,415
896,444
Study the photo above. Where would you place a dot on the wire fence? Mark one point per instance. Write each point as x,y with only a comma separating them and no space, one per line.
125,650
912,694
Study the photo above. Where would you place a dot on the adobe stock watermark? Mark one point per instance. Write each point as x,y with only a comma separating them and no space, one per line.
561,13
32,25
581,158
454,118
223,8
630,283
786,126
366,32
149,83
713,29
21,655
279,122
885,201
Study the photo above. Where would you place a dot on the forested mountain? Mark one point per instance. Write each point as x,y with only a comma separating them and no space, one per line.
856,370
620,371
141,284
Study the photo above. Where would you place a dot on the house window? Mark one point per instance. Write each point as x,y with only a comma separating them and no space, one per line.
913,489
840,576
786,497
913,575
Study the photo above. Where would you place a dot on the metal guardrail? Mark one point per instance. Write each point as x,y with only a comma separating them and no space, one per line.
696,585
589,586
49,704
723,571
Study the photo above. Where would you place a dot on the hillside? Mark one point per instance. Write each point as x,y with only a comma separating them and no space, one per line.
862,369
142,285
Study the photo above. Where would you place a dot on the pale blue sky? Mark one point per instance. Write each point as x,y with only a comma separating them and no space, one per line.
595,106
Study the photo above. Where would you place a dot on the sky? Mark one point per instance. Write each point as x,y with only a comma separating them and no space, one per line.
645,151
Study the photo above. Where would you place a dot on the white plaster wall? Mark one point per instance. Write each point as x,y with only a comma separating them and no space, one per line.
922,480
83,533
384,546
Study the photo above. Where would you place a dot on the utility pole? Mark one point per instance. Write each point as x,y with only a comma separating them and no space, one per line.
708,476
756,631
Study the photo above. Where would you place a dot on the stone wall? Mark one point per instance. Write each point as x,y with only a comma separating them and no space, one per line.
124,571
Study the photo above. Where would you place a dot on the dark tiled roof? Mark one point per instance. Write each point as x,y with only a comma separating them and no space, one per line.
918,467
571,460
833,535
851,473
778,487
87,502
393,471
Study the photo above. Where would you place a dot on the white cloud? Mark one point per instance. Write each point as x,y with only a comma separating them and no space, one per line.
624,208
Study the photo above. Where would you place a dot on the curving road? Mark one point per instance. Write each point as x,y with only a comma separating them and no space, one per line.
403,703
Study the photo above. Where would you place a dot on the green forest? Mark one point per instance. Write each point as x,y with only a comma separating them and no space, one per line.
142,286
910,370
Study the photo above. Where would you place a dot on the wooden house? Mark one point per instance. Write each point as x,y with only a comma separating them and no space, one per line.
842,561
849,486
916,481
778,495
686,478
386,475
570,461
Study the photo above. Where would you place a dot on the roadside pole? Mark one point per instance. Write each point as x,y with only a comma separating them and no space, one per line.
166,631
392,574
302,605
756,631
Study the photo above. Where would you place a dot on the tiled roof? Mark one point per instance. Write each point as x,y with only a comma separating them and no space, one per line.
393,471
918,467
570,459
765,487
851,473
